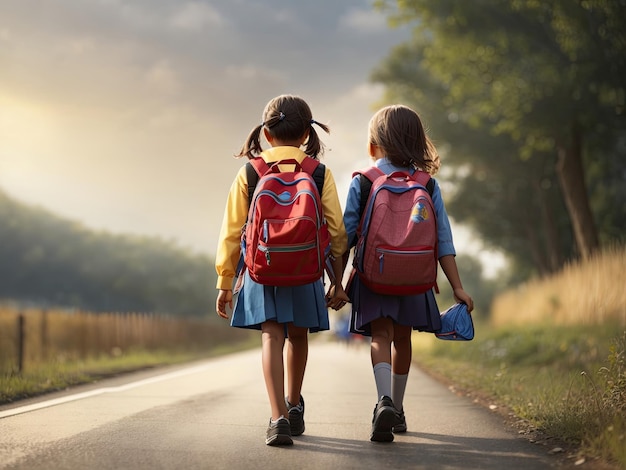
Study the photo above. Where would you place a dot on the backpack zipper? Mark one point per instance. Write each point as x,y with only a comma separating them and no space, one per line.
402,252
382,251
285,249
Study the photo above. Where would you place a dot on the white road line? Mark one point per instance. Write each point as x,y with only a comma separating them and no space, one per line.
100,391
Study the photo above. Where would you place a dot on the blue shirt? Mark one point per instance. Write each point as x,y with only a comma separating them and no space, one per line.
351,216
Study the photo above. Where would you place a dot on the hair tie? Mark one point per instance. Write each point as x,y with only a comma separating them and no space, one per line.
313,121
281,116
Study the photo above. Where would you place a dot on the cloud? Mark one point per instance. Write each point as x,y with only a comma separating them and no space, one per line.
286,16
364,21
81,45
162,77
127,114
251,72
195,16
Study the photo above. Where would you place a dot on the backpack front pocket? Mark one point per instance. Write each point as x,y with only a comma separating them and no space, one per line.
279,261
408,268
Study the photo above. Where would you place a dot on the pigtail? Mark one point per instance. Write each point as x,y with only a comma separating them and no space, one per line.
252,147
314,146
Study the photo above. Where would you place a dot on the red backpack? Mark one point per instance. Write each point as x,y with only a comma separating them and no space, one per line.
396,251
285,241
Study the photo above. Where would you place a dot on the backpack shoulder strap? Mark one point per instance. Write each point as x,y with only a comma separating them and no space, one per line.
317,170
318,175
260,166
371,173
425,180
252,178
430,186
366,179
255,168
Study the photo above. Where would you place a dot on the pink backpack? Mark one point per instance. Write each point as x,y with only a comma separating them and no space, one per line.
396,251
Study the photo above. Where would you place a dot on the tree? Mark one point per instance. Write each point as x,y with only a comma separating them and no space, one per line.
549,75
513,203
50,261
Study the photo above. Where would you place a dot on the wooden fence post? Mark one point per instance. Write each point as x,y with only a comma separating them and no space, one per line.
44,335
21,342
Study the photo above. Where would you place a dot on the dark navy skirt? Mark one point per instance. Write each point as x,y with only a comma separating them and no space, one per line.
418,311
304,306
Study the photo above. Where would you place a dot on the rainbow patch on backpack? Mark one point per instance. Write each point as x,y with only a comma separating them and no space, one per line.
419,213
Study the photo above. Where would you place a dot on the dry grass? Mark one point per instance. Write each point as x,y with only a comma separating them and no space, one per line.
60,348
568,382
583,293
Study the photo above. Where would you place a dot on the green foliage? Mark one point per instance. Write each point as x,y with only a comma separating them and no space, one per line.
507,89
49,261
613,377
482,290
567,381
514,60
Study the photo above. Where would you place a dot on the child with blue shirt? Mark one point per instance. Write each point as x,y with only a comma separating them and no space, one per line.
398,142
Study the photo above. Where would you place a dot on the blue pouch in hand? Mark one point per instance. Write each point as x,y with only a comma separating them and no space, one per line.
456,324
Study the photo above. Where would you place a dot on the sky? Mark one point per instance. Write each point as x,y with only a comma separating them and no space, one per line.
126,115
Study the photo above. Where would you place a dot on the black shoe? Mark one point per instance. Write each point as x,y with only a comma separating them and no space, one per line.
383,420
296,416
400,424
279,433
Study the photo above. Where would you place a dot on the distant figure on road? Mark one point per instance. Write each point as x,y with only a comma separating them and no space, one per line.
287,310
397,143
342,329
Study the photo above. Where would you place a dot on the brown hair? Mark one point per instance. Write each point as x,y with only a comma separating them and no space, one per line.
287,118
398,131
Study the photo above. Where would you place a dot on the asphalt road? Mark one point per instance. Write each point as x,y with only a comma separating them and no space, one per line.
213,414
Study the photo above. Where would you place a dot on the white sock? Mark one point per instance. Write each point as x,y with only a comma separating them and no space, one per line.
382,376
398,386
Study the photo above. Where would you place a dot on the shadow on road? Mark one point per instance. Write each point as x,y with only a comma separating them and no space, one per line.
418,449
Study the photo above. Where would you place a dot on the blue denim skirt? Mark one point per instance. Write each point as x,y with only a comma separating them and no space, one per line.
304,306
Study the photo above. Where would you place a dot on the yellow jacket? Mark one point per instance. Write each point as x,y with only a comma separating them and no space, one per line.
236,212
